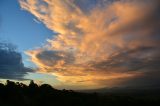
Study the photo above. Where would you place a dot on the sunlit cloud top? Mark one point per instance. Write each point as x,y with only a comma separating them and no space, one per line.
99,43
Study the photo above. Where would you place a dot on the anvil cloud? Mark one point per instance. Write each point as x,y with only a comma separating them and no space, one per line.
99,42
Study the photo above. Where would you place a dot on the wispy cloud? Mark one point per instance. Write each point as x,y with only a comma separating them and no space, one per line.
100,43
36,21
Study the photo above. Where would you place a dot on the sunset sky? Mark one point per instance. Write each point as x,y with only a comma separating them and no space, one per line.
81,44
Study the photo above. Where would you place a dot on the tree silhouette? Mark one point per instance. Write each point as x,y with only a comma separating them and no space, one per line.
19,94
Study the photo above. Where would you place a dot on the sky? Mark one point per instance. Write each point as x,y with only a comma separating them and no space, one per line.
20,27
81,44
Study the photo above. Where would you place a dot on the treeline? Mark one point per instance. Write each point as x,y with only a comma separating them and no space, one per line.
19,94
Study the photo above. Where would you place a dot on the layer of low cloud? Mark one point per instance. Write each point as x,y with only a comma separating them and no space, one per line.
99,43
11,66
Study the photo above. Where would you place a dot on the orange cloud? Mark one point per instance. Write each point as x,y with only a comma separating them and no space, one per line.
84,51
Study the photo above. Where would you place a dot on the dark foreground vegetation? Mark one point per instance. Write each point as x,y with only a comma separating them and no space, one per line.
18,94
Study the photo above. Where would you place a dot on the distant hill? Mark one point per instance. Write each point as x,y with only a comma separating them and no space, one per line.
130,89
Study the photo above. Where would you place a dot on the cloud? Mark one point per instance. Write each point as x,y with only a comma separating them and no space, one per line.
99,43
36,21
11,66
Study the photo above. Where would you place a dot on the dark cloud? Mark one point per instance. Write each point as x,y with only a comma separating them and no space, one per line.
86,5
143,61
149,79
53,57
11,65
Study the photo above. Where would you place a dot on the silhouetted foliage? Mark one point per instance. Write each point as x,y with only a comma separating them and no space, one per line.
19,94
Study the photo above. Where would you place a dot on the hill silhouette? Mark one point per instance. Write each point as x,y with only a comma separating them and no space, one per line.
19,94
